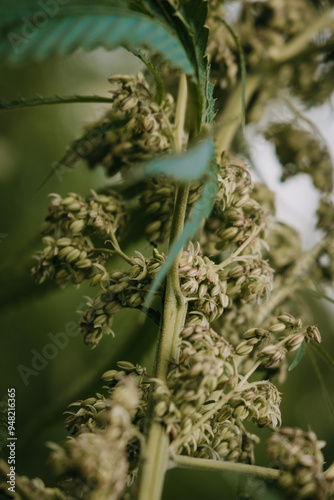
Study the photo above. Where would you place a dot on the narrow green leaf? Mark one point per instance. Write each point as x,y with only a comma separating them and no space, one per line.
201,209
319,294
46,101
188,20
320,378
159,86
243,70
323,353
300,353
186,167
88,28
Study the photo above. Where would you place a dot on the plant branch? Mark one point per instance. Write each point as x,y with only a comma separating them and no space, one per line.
242,247
46,101
299,43
293,283
217,465
117,248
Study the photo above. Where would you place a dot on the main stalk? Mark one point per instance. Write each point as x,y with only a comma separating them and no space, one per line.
155,456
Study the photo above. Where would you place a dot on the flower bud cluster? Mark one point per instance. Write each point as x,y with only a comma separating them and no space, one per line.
229,442
211,289
221,53
298,151
201,283
69,253
100,214
236,213
126,288
68,258
262,29
298,455
32,488
325,260
259,401
204,372
158,199
144,132
285,247
250,280
91,412
274,353
100,458
205,365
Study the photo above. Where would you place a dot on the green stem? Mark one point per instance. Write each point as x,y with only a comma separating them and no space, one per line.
232,114
46,101
216,465
155,460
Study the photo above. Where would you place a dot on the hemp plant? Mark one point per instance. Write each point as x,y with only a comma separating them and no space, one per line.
222,276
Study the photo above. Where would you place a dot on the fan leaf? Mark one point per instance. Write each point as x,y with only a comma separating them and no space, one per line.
186,167
72,29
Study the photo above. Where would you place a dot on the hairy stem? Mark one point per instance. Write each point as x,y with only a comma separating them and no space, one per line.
215,465
155,461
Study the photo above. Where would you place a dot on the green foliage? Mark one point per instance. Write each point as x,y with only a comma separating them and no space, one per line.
187,167
73,28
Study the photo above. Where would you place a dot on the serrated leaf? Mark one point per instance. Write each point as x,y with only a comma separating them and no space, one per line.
300,353
159,86
186,167
21,102
74,29
210,110
188,21
201,209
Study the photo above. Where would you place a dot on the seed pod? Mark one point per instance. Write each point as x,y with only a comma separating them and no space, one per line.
228,234
83,264
295,342
277,328
313,333
243,348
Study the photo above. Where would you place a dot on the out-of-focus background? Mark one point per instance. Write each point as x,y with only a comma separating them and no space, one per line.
31,140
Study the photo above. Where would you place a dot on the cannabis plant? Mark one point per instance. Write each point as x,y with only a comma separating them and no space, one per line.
219,276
